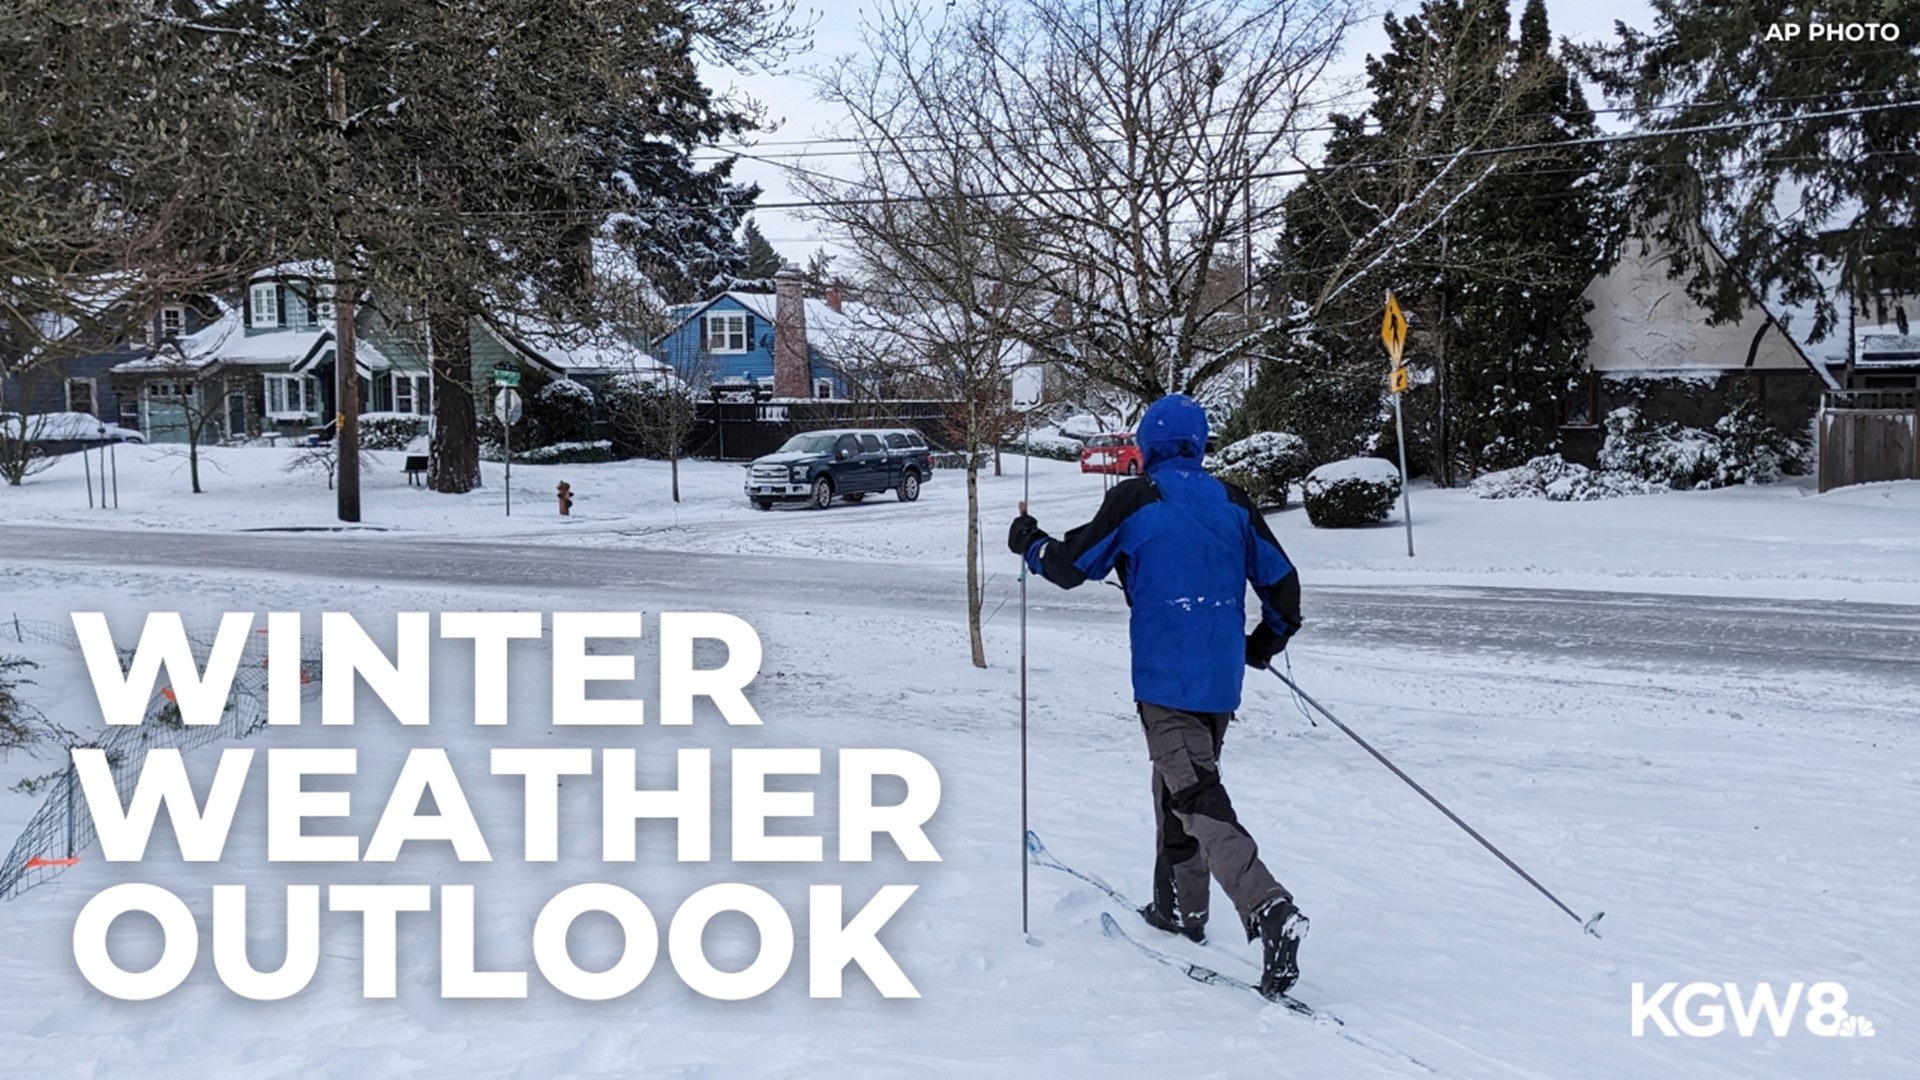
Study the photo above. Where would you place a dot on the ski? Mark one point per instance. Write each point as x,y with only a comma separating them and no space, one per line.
1038,854
1111,927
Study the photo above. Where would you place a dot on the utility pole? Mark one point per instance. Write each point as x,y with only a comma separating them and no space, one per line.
1443,429
346,431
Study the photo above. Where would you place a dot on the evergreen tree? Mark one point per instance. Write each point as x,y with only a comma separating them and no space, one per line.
761,262
1811,200
1493,293
819,270
1515,332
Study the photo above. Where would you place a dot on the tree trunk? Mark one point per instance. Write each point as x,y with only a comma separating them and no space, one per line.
453,461
193,459
974,598
674,459
346,373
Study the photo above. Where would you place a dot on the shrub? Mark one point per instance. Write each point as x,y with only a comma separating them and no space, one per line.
1742,448
569,453
1753,451
1266,465
1553,477
390,431
1346,494
18,720
562,412
1046,445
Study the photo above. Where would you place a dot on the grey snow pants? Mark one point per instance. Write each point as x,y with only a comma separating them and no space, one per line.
1195,827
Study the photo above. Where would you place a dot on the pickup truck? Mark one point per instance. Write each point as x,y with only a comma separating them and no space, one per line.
815,467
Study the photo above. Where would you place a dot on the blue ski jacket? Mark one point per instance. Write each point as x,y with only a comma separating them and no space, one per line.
1185,546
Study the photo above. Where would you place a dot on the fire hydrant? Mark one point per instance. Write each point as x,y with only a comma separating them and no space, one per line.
566,499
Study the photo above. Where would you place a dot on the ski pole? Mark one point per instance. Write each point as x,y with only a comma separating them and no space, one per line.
1026,492
1585,924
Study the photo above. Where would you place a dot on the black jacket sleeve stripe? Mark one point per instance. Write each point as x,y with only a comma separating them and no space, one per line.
1086,550
1279,598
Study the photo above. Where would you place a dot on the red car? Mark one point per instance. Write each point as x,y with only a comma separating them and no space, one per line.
1112,453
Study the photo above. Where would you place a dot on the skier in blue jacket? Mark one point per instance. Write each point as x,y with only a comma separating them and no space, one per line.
1185,546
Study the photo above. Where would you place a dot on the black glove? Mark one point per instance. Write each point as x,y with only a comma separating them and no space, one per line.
1022,533
1264,644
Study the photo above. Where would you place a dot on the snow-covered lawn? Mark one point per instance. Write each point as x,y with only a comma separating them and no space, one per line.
1780,541
1735,830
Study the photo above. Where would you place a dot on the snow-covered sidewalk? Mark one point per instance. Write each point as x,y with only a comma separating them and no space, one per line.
1734,830
1781,541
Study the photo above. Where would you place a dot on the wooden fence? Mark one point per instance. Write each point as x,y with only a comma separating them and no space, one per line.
742,431
1867,436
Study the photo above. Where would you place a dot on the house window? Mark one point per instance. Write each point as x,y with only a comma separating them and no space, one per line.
823,388
80,396
292,397
727,333
266,305
166,390
1582,407
173,322
412,394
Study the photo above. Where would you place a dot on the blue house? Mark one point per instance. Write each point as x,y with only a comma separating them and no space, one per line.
68,369
781,341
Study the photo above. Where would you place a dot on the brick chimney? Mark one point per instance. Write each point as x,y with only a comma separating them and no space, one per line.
833,294
792,374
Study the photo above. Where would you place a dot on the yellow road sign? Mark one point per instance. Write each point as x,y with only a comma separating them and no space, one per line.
1400,380
1393,329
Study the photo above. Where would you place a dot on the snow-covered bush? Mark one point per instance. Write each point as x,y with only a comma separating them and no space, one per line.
1349,493
569,453
1742,448
390,431
561,411
1266,465
1046,444
1753,451
1553,477
1082,426
1663,452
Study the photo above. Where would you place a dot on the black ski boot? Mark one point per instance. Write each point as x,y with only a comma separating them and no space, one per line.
1280,927
1164,912
1170,921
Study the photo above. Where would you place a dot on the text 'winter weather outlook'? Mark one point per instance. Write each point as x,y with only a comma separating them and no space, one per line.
583,650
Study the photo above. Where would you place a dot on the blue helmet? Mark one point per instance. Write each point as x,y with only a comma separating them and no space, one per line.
1175,426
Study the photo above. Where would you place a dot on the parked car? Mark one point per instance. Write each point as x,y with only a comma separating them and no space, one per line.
59,433
1111,453
815,467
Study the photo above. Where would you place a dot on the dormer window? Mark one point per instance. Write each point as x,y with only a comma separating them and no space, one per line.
173,323
727,332
265,302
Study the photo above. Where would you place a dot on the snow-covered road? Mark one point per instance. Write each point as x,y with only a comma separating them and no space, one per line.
1656,632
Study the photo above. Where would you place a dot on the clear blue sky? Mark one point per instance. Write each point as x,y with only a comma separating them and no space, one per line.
791,104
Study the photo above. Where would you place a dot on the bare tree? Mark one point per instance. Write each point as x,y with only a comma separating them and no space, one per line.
946,274
1140,142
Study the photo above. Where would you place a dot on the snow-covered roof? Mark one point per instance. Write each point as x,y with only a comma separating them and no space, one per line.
1884,345
574,351
225,342
829,331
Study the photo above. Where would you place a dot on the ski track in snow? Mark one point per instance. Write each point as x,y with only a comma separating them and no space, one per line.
1735,825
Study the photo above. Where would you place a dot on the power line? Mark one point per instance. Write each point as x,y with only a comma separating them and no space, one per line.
744,150
1235,180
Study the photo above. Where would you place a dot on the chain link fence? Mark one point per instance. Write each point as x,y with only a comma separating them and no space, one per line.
62,829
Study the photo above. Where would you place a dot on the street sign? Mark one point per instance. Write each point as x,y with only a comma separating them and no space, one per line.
506,406
1393,329
1029,387
506,377
1400,380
